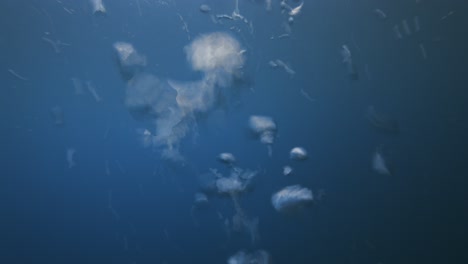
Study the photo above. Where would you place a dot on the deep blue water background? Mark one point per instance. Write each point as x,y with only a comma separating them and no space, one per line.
52,214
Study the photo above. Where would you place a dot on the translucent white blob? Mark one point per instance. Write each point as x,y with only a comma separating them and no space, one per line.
247,175
287,170
267,137
273,64
70,156
380,13
107,170
146,137
238,181
291,197
56,113
93,92
284,5
268,5
240,222
264,127
252,228
148,97
130,61
227,158
282,64
207,182
397,32
379,164
205,8
200,202
200,198
173,105
229,185
346,54
239,258
406,27
198,96
417,27
298,153
423,51
348,61
382,122
127,54
257,257
78,85
97,6
17,75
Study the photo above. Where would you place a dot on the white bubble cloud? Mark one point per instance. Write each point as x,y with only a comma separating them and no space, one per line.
215,51
172,105
291,197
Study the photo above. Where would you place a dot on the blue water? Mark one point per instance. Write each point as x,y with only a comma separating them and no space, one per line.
50,213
